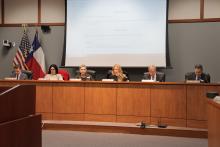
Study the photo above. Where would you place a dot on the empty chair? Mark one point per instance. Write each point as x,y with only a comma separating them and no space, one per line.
65,74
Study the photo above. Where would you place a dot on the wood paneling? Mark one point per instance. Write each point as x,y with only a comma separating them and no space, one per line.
68,98
122,101
197,124
168,121
133,119
128,129
168,101
213,124
100,99
73,117
196,101
104,118
46,116
17,102
133,100
44,98
23,132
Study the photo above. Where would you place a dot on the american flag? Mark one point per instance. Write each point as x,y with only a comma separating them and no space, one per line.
22,52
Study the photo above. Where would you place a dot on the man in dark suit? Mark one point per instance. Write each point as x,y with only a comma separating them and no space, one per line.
152,74
18,74
198,75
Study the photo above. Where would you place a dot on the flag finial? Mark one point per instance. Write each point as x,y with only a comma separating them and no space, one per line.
24,27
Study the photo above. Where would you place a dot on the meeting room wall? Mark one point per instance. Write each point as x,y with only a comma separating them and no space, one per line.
193,36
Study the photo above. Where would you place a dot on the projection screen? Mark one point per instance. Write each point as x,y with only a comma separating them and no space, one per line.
101,33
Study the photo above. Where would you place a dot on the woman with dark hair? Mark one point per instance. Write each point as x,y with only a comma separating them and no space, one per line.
53,73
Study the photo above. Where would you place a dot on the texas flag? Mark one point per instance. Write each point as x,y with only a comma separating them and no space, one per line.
36,60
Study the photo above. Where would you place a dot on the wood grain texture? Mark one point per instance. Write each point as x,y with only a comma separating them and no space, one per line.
100,99
72,117
68,98
168,121
122,101
133,119
44,96
46,116
168,101
203,124
133,100
17,102
23,132
196,101
213,124
98,117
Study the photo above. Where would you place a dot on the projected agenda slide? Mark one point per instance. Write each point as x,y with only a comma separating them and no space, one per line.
104,32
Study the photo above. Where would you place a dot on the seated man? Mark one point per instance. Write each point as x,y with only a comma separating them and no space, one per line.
18,74
83,74
198,75
152,74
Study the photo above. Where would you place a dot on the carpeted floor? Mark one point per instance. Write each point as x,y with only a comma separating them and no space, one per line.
91,139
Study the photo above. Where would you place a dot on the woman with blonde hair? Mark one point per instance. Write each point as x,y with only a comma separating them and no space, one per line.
117,74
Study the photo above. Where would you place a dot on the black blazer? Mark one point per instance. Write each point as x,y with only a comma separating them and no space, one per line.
115,78
88,77
205,78
160,76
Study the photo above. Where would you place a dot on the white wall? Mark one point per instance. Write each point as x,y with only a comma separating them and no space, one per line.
52,11
184,9
21,11
212,9
26,11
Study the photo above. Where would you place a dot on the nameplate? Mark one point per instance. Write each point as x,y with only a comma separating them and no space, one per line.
10,78
217,99
148,81
74,79
192,81
41,79
108,80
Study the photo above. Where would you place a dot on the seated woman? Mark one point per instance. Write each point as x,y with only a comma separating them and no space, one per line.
117,74
83,74
53,73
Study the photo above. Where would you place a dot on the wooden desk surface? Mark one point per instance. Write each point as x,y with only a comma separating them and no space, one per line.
174,103
213,124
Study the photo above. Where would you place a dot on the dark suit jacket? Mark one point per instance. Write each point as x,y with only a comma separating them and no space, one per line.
205,78
88,77
22,76
159,76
